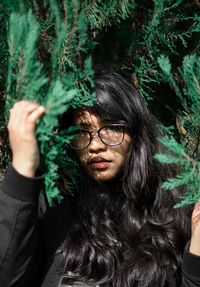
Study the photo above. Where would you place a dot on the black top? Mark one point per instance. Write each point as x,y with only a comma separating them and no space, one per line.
31,234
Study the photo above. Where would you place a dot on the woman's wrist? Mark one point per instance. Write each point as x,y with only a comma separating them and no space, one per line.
195,246
24,169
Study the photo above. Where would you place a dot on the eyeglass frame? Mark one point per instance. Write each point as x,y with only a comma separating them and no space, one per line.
122,125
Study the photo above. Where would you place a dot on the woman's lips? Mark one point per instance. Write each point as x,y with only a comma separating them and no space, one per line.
99,163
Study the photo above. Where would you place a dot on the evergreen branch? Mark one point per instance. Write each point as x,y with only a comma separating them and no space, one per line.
182,179
104,13
166,68
53,54
25,79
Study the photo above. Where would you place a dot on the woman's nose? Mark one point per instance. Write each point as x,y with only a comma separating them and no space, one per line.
96,143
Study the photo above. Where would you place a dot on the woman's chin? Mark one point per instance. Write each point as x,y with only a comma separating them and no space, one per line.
102,176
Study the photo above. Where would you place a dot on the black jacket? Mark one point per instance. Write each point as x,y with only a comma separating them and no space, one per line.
30,238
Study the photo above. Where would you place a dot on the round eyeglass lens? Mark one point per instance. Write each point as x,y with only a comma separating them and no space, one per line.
81,141
111,135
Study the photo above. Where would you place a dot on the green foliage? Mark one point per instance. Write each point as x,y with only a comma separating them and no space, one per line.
187,154
50,61
104,13
189,175
160,28
4,154
24,73
49,48
167,35
57,87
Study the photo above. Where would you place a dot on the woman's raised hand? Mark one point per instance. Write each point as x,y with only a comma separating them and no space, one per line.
21,128
195,239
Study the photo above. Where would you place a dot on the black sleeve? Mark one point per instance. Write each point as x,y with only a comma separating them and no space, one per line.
191,269
18,228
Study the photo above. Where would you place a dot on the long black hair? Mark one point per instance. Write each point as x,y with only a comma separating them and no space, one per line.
127,232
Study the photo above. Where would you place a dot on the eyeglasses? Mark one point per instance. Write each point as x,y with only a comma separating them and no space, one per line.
111,135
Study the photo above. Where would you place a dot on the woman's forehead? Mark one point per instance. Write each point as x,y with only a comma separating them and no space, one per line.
85,116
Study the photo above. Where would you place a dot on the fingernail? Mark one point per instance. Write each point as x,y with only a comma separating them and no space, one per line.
41,108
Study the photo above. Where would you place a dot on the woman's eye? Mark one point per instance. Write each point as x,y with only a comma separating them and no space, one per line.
83,132
113,128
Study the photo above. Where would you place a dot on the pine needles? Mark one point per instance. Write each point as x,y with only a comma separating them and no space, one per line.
60,86
187,153
49,56
50,61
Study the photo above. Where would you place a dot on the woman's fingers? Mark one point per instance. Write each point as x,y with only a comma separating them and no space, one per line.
23,116
21,127
196,213
21,111
195,239
36,114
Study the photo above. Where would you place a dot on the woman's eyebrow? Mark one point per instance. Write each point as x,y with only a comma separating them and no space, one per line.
84,125
88,125
104,122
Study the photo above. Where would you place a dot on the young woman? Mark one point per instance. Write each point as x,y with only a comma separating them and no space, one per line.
120,229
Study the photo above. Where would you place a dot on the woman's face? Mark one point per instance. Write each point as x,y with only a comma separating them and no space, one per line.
102,162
